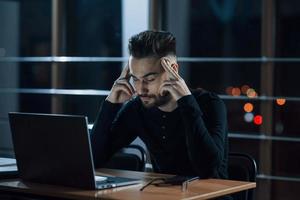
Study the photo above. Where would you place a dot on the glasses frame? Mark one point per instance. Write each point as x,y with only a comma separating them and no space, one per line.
164,182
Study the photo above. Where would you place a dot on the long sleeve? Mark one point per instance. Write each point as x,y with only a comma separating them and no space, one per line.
206,129
110,132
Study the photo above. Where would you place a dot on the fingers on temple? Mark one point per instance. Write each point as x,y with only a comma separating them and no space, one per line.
168,68
167,86
125,72
122,83
124,88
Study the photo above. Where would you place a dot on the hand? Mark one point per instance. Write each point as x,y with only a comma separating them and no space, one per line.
122,90
175,85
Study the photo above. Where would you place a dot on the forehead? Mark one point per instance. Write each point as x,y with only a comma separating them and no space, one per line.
142,66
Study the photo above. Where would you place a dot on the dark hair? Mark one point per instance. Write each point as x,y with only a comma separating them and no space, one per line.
152,44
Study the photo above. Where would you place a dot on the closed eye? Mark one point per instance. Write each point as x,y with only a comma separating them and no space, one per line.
150,78
147,78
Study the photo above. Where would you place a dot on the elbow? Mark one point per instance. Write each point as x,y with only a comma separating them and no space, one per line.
214,164
216,160
211,167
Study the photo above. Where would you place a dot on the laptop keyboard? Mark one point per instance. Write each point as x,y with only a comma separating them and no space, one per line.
100,178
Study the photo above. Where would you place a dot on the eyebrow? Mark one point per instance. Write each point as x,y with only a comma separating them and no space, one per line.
149,74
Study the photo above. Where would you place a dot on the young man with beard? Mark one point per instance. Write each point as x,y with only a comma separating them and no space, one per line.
185,131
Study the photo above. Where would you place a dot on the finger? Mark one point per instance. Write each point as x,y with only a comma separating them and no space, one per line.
123,91
174,72
124,81
169,82
123,87
172,83
169,69
125,72
167,87
168,66
166,90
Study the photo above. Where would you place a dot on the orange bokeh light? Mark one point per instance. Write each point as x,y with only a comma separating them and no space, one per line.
248,107
258,119
236,91
280,102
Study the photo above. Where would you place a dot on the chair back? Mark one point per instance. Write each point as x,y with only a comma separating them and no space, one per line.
242,167
132,157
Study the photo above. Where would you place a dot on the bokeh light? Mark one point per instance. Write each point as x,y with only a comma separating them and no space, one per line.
248,117
244,89
229,90
248,107
236,91
258,120
280,102
251,93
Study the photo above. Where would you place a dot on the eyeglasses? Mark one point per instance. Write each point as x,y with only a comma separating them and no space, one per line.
185,184
174,180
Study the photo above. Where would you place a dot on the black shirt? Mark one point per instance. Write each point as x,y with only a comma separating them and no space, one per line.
191,140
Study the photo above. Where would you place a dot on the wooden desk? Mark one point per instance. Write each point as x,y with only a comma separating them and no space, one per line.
200,189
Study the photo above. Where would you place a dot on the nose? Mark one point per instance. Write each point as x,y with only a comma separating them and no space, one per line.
141,87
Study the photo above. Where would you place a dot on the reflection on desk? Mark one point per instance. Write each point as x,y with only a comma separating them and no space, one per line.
200,189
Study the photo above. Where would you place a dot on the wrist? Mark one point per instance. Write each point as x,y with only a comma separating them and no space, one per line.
182,96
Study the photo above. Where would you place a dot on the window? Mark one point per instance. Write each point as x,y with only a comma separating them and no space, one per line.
62,56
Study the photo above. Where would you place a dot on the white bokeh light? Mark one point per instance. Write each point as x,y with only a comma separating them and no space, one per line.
248,117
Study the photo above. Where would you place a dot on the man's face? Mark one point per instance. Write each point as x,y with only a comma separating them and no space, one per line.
147,75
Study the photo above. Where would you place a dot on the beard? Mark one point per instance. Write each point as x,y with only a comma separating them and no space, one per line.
155,100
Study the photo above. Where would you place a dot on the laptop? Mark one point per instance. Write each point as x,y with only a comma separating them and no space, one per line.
8,168
55,149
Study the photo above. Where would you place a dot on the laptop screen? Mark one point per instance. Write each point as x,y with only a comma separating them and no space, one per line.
53,149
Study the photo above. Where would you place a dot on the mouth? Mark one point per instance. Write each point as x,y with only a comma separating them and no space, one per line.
145,98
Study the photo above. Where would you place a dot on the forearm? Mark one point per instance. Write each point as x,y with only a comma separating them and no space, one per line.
100,134
205,141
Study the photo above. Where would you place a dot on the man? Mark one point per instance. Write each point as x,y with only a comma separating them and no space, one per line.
185,131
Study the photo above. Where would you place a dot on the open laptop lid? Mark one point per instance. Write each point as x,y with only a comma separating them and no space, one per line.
53,149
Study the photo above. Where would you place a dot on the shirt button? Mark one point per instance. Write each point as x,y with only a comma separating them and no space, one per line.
164,116
163,137
163,127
